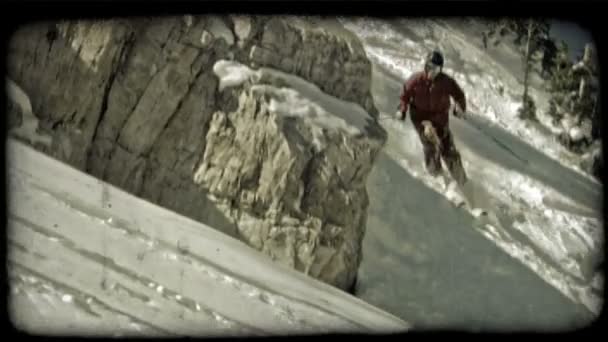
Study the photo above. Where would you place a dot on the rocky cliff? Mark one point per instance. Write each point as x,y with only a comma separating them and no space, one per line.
262,127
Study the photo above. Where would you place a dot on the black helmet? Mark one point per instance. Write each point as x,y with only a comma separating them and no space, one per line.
435,57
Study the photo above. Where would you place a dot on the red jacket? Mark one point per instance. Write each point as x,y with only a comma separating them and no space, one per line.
431,99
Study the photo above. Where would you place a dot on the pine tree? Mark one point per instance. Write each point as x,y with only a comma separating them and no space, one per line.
528,110
559,82
537,32
497,30
575,94
531,36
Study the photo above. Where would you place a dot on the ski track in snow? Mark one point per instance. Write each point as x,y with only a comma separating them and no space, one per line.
560,243
282,308
123,267
506,188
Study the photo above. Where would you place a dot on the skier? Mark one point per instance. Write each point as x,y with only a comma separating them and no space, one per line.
427,95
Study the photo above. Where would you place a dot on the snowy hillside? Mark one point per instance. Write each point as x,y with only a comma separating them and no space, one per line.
87,258
492,79
283,132
544,213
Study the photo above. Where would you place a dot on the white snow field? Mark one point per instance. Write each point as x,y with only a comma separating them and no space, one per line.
535,265
86,258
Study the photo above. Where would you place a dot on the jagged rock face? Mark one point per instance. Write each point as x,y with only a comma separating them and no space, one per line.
339,66
137,103
296,192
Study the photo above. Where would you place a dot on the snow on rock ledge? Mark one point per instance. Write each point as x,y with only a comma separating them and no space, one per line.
290,164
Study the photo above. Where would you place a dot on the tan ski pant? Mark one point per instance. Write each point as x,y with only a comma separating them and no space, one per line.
437,144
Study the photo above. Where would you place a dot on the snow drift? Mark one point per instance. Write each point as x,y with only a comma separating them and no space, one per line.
88,259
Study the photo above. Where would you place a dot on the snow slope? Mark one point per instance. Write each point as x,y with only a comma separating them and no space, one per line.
86,258
492,78
535,266
425,261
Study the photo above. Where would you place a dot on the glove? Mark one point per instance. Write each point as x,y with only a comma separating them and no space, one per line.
459,113
399,115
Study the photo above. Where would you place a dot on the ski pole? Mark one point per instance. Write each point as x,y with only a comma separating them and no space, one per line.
385,117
